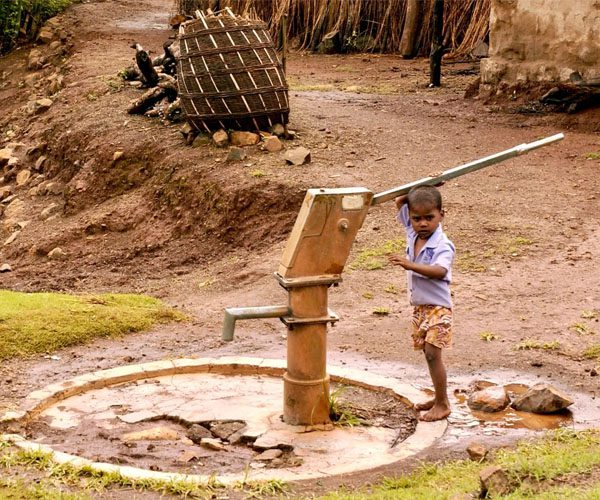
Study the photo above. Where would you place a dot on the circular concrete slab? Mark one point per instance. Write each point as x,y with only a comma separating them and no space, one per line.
168,396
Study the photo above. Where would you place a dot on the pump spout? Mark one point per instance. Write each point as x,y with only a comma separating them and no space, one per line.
232,314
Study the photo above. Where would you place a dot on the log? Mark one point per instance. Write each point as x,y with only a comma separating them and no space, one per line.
147,100
144,63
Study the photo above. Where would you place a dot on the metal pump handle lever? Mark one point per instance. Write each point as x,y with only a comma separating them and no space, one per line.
466,168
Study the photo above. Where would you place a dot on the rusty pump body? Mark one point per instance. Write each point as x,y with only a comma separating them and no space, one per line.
312,261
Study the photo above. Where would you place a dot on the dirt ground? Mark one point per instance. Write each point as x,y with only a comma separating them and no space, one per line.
182,224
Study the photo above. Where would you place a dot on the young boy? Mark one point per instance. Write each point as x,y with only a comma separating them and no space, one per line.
428,260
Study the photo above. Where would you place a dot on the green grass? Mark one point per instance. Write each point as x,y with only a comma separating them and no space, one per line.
488,336
381,311
376,258
530,344
536,470
34,323
592,352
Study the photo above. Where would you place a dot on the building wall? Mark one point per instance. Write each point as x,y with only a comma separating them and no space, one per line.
542,40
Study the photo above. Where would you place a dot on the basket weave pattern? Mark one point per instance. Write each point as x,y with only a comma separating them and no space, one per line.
229,75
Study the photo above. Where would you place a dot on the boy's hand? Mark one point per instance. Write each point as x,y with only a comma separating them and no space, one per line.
437,174
400,200
399,260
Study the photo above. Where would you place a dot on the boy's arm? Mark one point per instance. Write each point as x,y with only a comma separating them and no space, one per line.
400,200
435,272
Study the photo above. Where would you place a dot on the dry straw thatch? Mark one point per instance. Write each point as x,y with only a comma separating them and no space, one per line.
365,25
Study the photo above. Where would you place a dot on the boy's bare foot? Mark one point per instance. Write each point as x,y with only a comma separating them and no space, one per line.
427,405
436,413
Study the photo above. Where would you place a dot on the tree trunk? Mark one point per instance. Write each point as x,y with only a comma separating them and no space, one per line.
437,45
410,30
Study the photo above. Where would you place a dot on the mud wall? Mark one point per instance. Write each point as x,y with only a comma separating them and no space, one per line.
542,40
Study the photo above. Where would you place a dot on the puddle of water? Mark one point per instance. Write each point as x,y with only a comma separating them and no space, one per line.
142,25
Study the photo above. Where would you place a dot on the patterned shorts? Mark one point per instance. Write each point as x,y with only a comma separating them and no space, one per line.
431,324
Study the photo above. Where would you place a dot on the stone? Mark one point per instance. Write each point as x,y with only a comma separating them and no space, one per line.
278,129
38,106
12,238
297,156
201,140
118,155
5,192
236,154
267,441
154,434
272,144
241,138
23,177
197,433
542,398
349,164
224,430
14,209
476,451
220,138
5,156
49,211
212,444
45,35
268,455
35,60
490,399
5,268
57,254
494,482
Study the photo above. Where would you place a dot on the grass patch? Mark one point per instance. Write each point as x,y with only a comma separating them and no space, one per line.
340,412
530,344
381,311
592,156
581,329
592,352
558,457
371,259
34,323
488,336
589,314
469,262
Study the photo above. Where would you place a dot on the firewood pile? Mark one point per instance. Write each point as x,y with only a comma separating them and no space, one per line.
574,96
221,72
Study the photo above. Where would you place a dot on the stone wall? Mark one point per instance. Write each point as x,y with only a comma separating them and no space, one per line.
542,41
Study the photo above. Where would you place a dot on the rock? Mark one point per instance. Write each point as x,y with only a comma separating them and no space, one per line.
12,238
272,144
23,177
35,59
220,138
5,156
118,155
212,444
40,162
267,442
490,399
14,209
224,430
38,106
278,129
268,455
240,138
45,35
201,140
49,210
542,398
494,482
5,268
153,434
5,192
197,433
476,452
297,156
54,188
236,154
349,164
57,254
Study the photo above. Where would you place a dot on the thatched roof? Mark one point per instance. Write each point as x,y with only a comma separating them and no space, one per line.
366,25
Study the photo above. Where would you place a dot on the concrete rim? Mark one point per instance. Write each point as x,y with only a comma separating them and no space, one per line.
36,402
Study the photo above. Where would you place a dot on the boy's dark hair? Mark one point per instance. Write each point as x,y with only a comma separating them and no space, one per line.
424,195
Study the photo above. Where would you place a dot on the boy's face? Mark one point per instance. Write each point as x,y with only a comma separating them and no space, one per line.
425,218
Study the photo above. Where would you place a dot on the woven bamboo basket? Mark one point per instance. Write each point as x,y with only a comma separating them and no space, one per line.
229,75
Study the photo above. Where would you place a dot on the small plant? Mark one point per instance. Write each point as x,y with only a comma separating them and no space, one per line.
391,289
592,352
551,346
256,173
589,314
529,344
375,258
207,283
367,295
592,156
488,336
581,329
381,311
340,412
92,96
469,262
